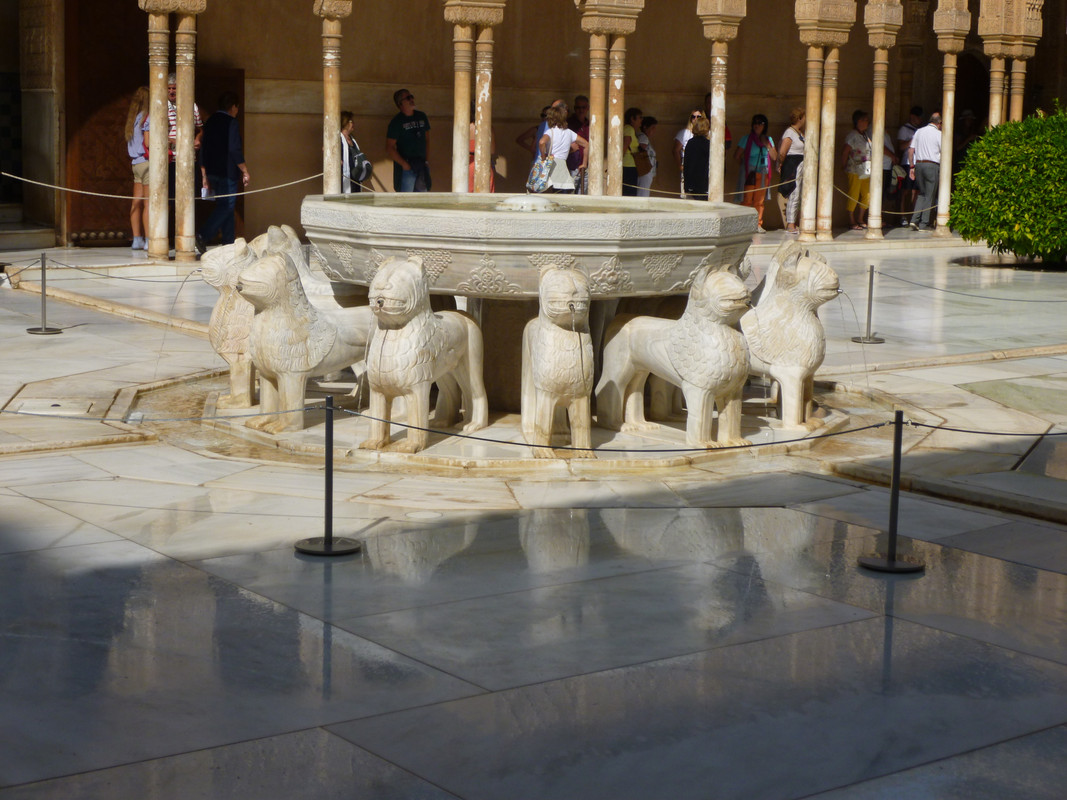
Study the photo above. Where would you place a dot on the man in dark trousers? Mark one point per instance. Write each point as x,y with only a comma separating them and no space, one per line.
222,166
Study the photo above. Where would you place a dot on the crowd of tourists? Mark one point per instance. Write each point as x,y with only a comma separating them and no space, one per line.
558,145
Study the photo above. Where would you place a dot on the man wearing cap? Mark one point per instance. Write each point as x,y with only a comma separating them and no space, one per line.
924,166
408,144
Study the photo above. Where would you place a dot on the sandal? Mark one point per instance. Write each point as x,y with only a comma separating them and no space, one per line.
857,227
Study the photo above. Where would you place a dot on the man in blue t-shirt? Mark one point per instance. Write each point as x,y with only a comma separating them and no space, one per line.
407,143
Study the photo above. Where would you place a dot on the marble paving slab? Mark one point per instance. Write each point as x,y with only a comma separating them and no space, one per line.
1011,605
774,489
558,631
779,718
1031,543
1030,767
30,525
306,765
113,654
918,518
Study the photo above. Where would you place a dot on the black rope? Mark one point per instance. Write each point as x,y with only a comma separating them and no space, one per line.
985,433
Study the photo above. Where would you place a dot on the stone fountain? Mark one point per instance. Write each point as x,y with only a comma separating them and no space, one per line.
492,250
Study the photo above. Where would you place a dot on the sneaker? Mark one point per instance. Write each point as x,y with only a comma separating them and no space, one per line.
139,243
913,226
201,248
760,229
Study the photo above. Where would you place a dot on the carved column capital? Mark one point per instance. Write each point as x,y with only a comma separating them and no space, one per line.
916,14
332,9
173,6
483,13
721,18
825,23
609,17
883,19
952,23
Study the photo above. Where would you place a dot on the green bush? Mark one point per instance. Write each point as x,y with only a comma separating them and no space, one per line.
1012,189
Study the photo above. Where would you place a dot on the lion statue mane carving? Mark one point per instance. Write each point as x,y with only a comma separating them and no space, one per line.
783,331
413,348
292,340
557,364
701,353
231,319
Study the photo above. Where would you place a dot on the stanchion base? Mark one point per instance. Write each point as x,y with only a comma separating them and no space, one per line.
318,546
44,331
868,339
883,564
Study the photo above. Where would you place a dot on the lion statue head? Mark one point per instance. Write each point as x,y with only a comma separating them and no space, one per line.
564,295
221,266
266,282
804,275
719,296
399,292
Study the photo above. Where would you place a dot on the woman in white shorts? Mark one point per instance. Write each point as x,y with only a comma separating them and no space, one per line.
137,147
558,141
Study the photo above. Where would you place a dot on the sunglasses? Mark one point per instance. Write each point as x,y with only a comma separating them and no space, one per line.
696,116
410,97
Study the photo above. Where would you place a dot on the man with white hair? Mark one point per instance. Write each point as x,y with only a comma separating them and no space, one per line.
924,160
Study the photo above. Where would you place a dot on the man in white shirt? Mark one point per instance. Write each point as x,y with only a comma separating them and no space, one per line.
924,165
909,190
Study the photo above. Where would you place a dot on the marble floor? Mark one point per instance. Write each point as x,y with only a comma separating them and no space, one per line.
701,631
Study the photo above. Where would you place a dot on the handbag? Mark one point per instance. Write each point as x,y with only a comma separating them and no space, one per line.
360,167
540,173
790,164
642,162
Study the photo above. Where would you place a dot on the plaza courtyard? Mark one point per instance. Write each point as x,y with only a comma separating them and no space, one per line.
697,630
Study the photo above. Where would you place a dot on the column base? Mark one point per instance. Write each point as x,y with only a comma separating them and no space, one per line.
942,231
824,236
874,233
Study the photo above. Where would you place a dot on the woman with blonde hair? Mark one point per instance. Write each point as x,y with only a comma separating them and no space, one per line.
137,148
558,141
791,166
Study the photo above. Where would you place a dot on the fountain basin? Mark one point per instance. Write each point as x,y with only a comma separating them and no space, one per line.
494,245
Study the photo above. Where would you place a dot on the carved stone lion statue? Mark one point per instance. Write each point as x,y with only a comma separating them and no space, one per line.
231,320
783,330
291,340
413,348
700,353
557,364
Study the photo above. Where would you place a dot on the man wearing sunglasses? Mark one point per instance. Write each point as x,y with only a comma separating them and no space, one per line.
407,143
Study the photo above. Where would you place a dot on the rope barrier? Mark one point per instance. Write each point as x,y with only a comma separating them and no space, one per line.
884,212
131,197
195,272
490,440
966,294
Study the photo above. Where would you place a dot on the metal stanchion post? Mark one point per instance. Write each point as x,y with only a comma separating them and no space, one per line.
44,330
328,545
890,562
869,339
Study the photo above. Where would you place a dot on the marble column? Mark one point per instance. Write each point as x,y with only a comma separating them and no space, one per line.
616,107
809,189
883,19
185,183
721,19
608,23
472,41
824,26
483,111
598,92
158,67
827,147
463,59
952,22
996,91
